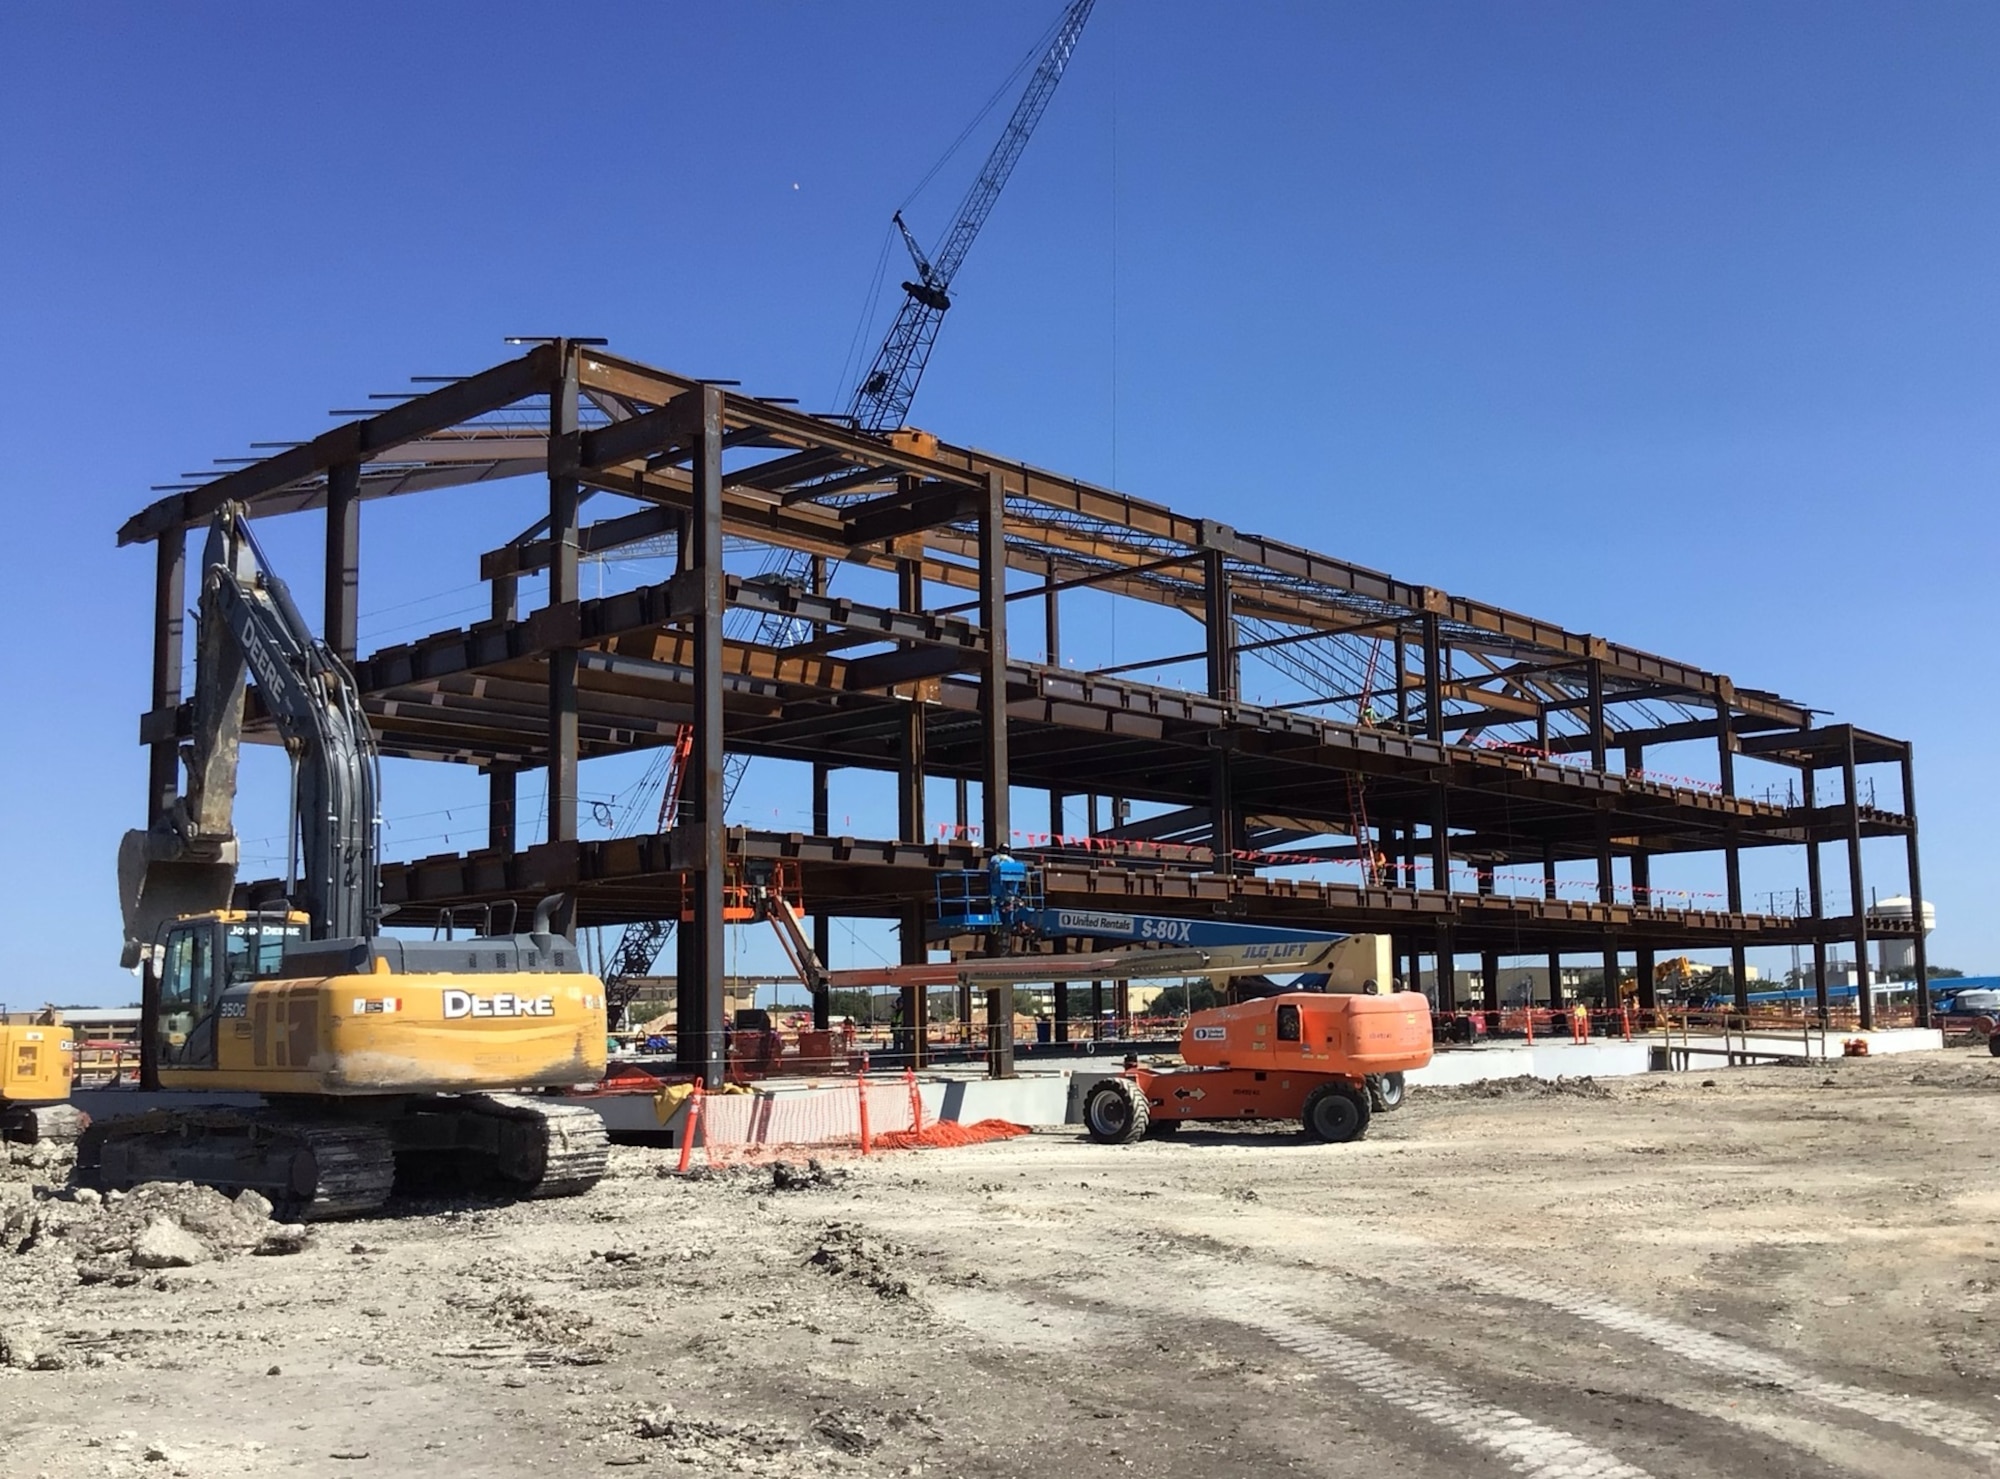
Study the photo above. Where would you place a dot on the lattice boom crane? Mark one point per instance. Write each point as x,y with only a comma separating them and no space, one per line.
882,399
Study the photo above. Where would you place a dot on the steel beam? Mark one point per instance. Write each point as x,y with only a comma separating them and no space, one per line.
356,441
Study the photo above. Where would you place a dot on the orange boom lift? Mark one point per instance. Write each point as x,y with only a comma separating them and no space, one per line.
1306,1056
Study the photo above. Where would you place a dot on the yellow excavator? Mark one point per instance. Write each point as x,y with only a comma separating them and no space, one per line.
378,1058
37,1061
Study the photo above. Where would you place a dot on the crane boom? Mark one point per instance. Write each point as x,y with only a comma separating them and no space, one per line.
882,399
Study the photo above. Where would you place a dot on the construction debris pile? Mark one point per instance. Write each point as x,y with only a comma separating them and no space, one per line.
56,1235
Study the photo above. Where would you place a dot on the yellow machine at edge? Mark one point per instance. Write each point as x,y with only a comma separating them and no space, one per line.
37,1062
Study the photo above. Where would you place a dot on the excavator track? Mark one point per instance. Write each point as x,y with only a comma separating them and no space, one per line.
546,1149
43,1124
311,1170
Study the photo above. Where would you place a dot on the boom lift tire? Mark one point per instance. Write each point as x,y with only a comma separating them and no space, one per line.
1993,1044
1115,1112
1335,1114
1385,1092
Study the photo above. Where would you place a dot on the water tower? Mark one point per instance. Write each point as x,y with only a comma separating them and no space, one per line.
1899,956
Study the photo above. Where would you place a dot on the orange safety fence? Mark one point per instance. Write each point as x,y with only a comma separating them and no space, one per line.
99,1062
861,1114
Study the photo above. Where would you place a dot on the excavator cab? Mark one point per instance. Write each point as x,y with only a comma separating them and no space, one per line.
207,964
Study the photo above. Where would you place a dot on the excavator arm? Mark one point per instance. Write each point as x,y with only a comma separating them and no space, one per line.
247,623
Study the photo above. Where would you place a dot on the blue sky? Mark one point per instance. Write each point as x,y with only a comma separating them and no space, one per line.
1670,322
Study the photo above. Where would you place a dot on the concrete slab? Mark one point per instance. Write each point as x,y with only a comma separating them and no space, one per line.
1036,1098
1471,1065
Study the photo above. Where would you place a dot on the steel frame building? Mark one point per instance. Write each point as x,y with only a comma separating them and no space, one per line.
1478,738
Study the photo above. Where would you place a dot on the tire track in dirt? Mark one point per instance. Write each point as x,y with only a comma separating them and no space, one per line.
1919,1415
1926,1418
1853,1443
1528,1447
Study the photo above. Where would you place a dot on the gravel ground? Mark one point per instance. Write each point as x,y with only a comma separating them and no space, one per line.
1772,1271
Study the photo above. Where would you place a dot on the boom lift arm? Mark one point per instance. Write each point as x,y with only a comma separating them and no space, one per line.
248,623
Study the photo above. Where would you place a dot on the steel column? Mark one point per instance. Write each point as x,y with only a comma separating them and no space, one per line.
822,806
690,1034
1440,806
1594,708
563,457
822,922
913,1001
343,558
500,808
1000,1031
1816,893
1489,981
1218,620
1052,619
705,815
910,766
1732,855
995,777
1641,865
163,776
1921,959
1864,990
1061,1003
163,766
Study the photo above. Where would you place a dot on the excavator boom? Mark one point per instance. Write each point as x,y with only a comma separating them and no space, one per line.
186,862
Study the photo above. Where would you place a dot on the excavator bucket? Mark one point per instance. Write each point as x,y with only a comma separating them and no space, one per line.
159,881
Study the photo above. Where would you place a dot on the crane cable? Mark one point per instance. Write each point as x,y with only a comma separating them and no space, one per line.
1033,55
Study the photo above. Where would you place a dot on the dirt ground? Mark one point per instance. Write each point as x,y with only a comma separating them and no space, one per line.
1773,1272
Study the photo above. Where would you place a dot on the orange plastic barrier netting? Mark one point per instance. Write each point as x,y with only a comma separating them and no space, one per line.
947,1134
